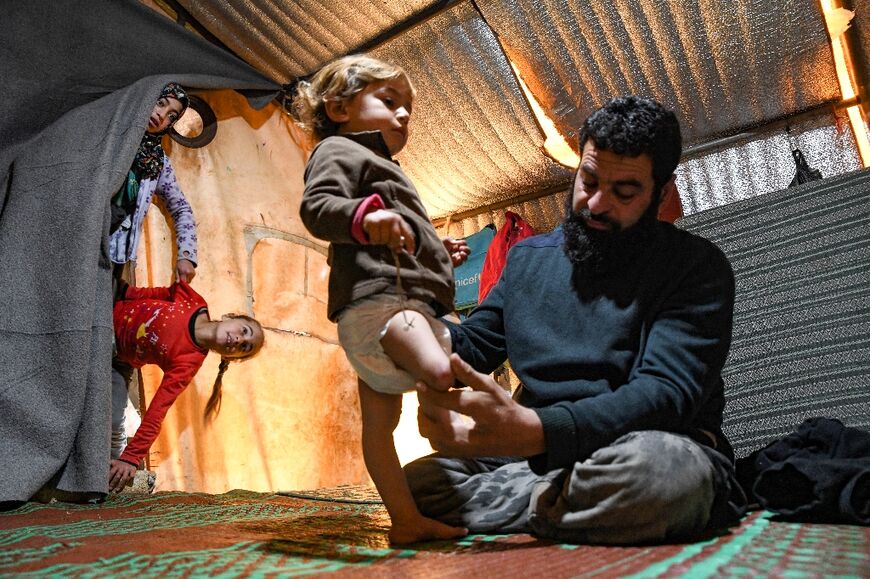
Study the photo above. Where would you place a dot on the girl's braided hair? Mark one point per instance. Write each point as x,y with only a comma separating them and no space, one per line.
213,406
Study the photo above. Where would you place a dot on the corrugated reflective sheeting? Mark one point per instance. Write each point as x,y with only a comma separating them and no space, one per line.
473,139
764,164
543,214
761,164
724,66
290,38
720,64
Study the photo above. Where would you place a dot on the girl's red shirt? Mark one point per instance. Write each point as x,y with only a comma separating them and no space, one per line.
155,326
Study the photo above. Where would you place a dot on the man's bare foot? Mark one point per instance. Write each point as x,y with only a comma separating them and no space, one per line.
423,529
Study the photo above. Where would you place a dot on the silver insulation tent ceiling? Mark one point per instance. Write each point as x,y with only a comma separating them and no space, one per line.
723,65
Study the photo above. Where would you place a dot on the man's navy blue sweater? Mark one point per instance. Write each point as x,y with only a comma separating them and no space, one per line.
639,349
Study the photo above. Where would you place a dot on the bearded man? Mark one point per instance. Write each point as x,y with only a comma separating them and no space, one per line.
617,326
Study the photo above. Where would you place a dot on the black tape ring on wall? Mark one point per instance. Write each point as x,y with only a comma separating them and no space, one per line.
209,126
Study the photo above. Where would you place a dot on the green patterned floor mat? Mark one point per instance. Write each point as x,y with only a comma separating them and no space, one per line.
344,530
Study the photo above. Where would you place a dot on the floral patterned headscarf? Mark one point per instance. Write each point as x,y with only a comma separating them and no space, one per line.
149,158
174,90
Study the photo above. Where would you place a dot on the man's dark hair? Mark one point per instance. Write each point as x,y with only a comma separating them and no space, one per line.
632,126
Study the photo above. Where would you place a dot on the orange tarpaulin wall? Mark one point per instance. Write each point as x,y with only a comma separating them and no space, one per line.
290,416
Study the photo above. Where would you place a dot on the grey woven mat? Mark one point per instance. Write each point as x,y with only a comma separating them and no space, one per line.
801,345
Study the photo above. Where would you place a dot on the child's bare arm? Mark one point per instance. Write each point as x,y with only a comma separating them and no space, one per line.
380,414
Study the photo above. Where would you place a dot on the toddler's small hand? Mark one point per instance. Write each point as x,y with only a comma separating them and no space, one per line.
385,227
458,250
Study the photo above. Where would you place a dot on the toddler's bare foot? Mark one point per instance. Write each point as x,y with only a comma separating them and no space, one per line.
423,529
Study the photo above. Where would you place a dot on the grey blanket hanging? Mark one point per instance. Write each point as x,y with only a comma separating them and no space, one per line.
80,80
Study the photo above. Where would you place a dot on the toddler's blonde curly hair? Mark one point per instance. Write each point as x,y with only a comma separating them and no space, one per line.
338,81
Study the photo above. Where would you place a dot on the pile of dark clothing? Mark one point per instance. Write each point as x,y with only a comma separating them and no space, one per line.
818,474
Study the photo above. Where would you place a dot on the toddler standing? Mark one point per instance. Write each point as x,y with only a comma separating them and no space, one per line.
391,275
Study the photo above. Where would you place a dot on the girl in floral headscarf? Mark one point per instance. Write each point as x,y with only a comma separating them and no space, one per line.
152,173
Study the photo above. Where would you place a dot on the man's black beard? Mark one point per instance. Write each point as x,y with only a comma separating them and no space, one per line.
595,253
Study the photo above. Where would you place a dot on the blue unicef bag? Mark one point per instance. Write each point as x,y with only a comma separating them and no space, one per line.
467,276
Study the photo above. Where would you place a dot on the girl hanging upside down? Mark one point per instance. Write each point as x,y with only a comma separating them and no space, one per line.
169,327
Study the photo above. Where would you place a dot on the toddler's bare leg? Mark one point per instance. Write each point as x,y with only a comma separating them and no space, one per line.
413,347
380,415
